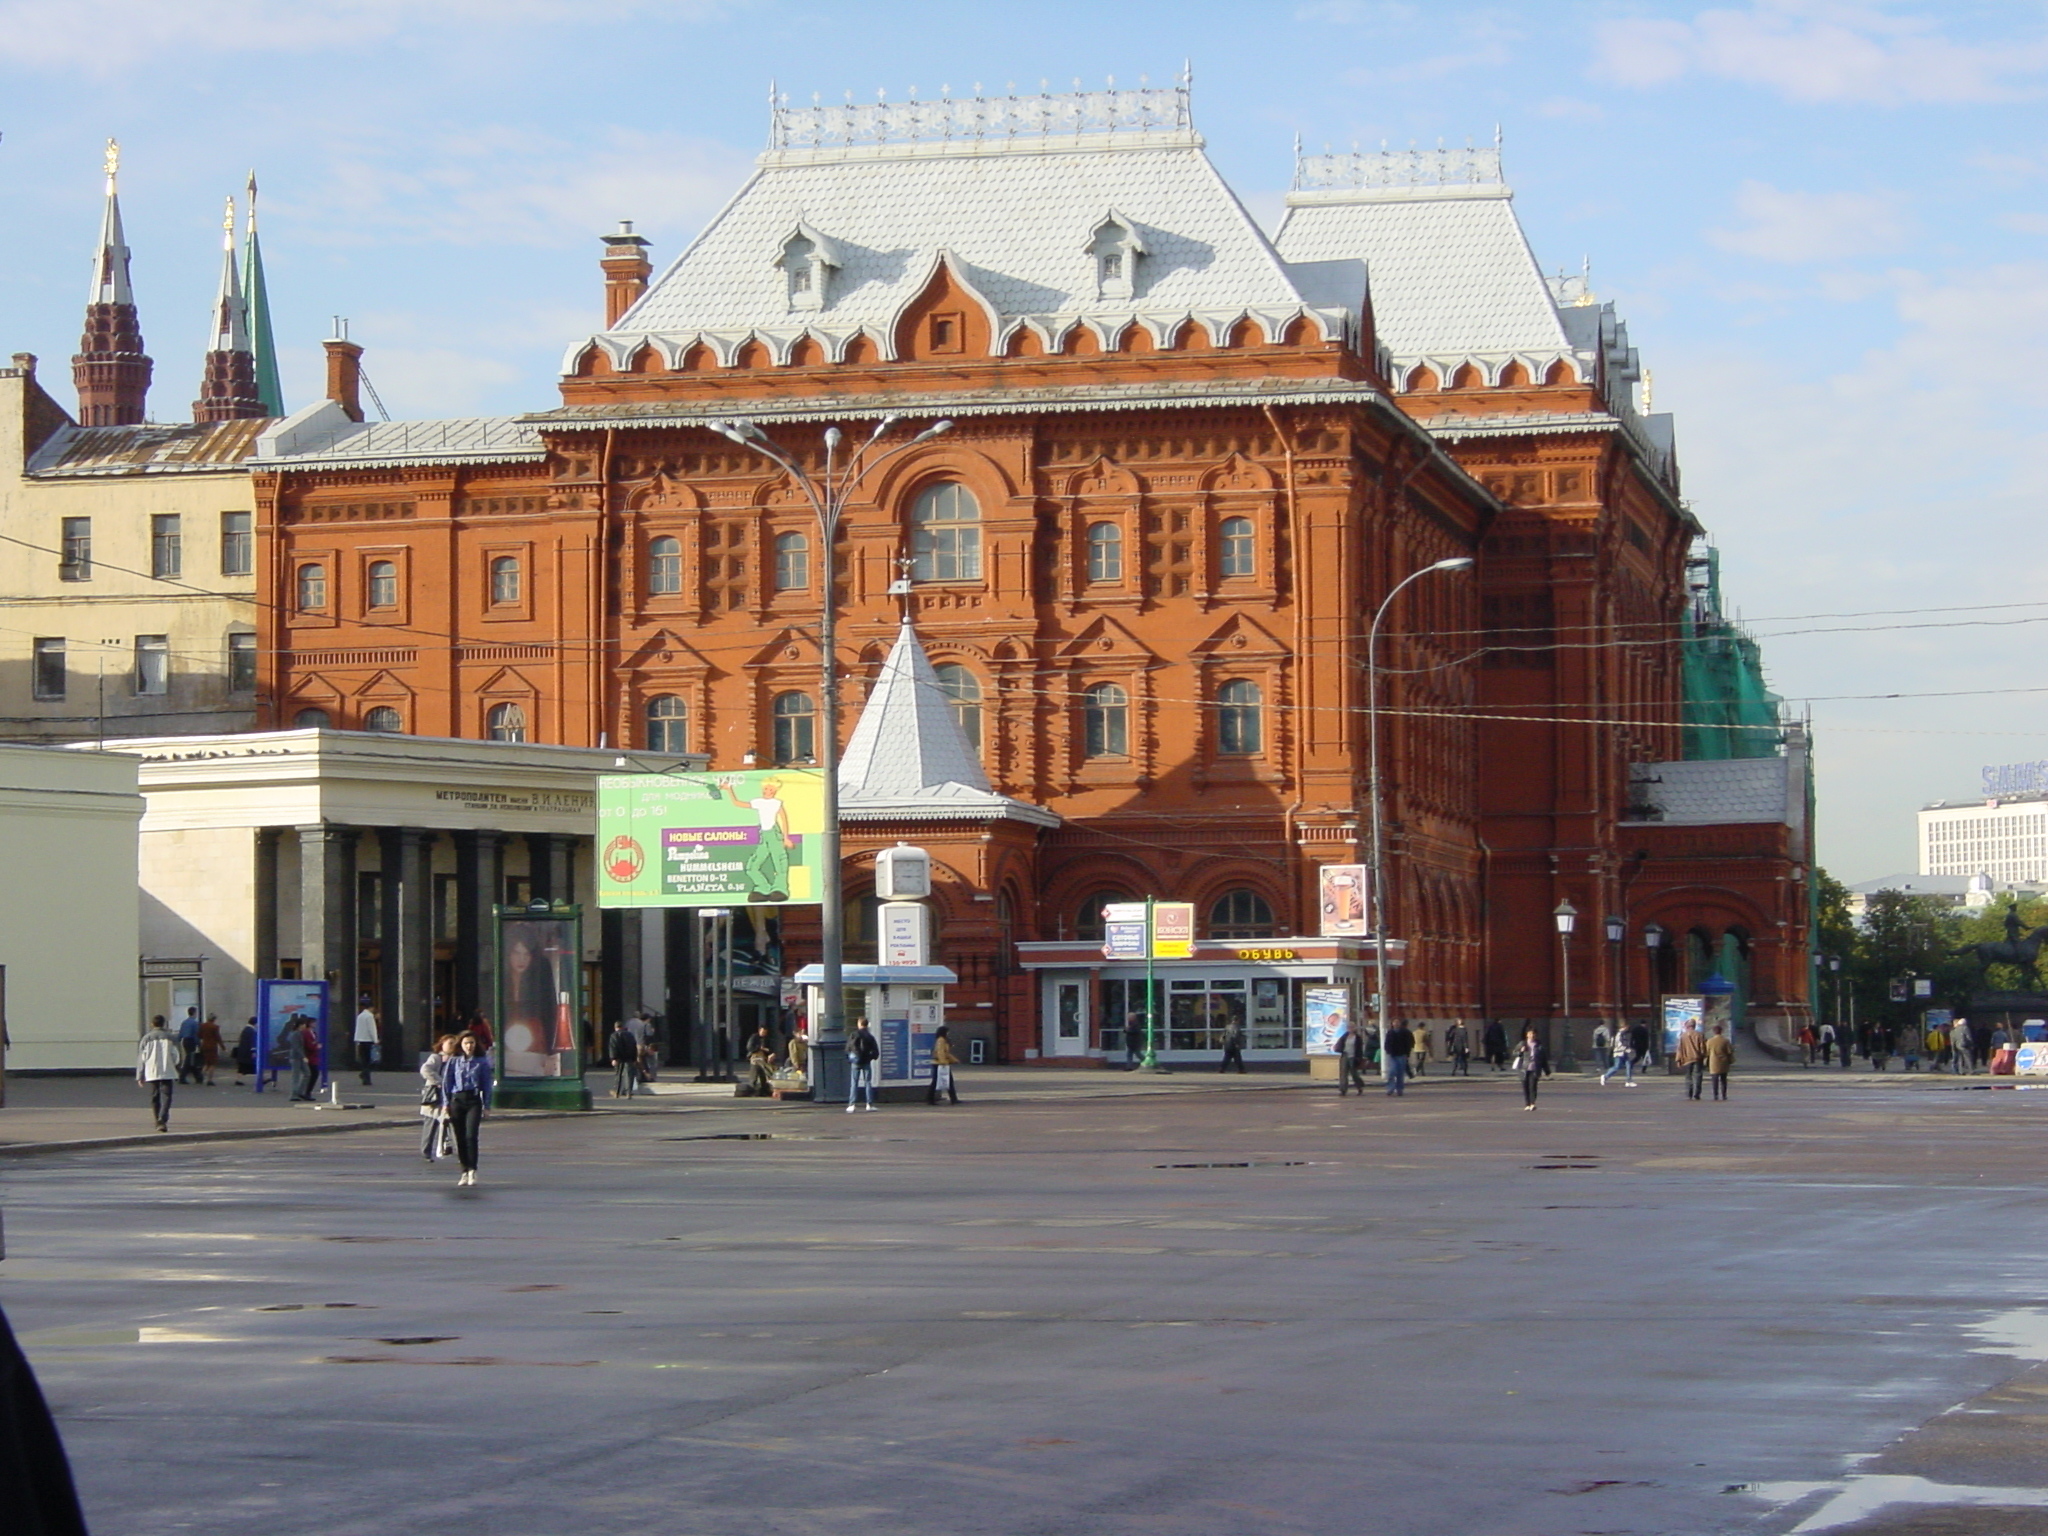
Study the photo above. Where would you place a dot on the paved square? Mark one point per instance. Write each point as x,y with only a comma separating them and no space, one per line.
1186,1312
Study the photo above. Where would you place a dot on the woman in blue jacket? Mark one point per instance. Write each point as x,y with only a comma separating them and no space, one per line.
466,1090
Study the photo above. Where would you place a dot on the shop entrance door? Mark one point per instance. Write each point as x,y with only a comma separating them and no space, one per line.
1069,1022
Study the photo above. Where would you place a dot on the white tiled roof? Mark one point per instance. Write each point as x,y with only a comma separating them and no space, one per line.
1729,790
1452,275
335,442
1014,217
908,755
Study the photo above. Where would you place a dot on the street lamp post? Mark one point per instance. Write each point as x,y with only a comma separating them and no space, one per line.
1379,836
1617,930
1567,917
828,497
1653,939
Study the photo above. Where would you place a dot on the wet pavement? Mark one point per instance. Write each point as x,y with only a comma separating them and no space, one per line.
1820,1307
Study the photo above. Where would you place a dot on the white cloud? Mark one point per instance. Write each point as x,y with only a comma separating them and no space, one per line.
1905,480
1571,109
495,185
1813,226
1818,51
103,35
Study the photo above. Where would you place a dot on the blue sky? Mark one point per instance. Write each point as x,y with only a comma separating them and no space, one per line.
1826,223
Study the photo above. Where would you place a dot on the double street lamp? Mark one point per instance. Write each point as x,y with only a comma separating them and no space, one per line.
1379,837
828,495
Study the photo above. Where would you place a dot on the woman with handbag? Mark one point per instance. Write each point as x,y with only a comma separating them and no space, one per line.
433,1103
466,1089
1532,1061
943,1063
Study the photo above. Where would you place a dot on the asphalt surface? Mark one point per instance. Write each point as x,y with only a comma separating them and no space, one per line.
1820,1307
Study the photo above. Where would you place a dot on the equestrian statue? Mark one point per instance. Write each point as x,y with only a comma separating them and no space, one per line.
2014,949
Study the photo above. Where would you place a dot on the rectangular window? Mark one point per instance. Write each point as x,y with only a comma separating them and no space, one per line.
166,546
50,677
237,543
241,663
75,562
152,664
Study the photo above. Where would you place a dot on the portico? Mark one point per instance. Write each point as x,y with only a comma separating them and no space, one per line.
373,861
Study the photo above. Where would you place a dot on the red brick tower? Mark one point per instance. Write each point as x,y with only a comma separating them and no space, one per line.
111,370
228,390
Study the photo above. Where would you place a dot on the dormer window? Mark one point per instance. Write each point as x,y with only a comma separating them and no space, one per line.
807,261
1115,247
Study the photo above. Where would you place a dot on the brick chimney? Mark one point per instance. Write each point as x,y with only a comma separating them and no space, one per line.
626,270
345,375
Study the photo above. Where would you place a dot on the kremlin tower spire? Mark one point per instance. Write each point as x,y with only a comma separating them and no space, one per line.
228,391
111,370
256,295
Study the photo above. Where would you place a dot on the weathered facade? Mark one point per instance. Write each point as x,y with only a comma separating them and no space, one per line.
1187,464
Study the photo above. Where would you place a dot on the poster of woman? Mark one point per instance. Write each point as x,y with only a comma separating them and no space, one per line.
537,957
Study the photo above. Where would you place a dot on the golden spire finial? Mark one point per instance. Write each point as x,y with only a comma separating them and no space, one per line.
227,219
113,162
252,199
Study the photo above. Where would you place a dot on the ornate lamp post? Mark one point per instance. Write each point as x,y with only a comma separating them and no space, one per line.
1617,930
1567,918
1377,894
828,495
1653,940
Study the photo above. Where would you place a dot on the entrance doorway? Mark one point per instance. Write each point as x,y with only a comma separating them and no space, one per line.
1069,1019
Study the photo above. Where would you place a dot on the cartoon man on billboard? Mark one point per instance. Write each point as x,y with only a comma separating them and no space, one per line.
768,868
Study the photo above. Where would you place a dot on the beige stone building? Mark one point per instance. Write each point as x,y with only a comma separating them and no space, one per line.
127,573
68,937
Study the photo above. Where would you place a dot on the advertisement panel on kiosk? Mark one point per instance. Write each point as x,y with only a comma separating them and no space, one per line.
747,838
282,1005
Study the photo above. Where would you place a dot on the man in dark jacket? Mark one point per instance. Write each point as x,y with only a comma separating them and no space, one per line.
863,1057
1353,1052
1394,1058
624,1050
1493,1042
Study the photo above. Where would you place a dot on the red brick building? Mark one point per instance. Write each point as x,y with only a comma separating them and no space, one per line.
1188,461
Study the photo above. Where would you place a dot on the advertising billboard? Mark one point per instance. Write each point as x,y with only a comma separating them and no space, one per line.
748,838
1340,899
537,981
282,1005
1326,1016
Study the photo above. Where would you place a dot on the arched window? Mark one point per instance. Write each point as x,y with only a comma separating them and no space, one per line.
312,587
311,719
1240,914
963,695
668,724
506,722
945,534
1236,555
1105,552
1105,722
383,584
1088,921
796,728
792,562
504,580
384,718
1239,719
664,566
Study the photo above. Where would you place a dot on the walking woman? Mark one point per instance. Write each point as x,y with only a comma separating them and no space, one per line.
943,1063
209,1049
466,1086
1532,1061
433,1102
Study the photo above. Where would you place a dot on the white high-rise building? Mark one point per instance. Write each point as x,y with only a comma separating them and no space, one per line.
2003,836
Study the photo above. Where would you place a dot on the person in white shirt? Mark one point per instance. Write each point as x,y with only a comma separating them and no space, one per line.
156,1066
366,1042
